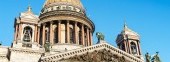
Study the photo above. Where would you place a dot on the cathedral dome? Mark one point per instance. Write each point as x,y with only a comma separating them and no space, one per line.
69,2
65,25
68,5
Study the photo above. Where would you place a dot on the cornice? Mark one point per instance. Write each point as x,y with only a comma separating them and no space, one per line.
26,51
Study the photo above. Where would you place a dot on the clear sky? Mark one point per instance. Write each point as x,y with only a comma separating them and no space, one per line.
149,18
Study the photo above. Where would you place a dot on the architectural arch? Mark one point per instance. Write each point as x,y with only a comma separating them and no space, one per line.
133,48
27,34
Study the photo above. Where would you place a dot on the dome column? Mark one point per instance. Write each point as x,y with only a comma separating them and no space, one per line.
88,43
82,32
43,37
68,31
51,33
91,38
59,31
75,33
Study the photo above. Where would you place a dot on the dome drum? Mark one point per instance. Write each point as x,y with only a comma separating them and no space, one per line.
66,32
87,22
65,22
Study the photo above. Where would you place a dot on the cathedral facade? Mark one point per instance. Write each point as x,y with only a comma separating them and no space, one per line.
63,33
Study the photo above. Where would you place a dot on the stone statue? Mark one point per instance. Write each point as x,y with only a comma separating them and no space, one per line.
156,58
47,46
100,36
148,57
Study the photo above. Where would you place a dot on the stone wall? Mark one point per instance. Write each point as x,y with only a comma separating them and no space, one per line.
20,55
3,54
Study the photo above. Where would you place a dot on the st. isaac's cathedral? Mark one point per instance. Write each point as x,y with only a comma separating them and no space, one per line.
63,33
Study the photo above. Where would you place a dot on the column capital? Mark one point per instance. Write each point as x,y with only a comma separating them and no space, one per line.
86,27
59,21
67,21
44,23
75,22
51,22
82,24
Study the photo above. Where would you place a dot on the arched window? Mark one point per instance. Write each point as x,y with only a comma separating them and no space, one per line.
56,35
71,35
27,34
133,48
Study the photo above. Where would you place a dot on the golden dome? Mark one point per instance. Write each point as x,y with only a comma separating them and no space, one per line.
71,2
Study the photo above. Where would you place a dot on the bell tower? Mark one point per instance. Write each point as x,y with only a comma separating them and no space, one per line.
26,27
129,41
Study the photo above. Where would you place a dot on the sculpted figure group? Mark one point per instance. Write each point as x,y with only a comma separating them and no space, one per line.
155,58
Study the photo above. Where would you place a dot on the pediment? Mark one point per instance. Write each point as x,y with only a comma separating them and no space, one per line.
96,56
96,53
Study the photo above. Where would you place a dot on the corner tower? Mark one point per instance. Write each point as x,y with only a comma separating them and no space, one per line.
129,41
26,30
64,25
25,43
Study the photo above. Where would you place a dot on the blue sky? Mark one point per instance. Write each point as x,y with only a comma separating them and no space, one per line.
149,18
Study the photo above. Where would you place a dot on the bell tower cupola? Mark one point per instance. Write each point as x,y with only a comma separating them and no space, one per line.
26,26
129,41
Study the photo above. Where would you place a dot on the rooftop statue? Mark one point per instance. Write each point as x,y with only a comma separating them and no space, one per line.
148,57
100,36
156,58
47,47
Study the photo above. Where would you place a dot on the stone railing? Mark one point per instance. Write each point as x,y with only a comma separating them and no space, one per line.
81,51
